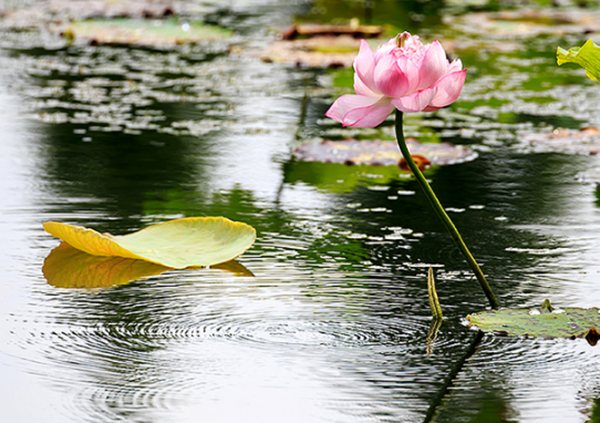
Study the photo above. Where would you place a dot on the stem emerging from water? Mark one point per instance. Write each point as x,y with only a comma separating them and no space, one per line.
435,203
434,302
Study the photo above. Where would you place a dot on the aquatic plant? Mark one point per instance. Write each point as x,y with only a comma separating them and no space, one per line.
407,76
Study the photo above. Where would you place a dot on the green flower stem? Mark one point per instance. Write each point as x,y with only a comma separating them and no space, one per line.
435,203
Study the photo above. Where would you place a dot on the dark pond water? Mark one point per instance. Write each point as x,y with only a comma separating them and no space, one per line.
334,324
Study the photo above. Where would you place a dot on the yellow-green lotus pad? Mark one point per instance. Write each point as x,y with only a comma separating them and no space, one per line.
179,243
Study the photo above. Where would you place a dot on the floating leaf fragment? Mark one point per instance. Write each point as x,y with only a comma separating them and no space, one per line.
382,153
584,141
586,56
545,322
179,243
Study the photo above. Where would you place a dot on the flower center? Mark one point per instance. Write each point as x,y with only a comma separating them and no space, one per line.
409,46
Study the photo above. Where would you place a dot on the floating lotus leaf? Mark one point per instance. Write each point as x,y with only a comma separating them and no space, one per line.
320,46
354,30
546,322
584,141
85,9
588,57
68,267
142,32
317,52
381,153
179,243
47,13
520,23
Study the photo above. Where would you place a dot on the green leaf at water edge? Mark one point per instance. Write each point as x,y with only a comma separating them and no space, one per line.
586,56
545,322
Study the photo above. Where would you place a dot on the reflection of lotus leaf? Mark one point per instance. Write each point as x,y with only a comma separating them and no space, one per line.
179,243
234,267
339,178
381,153
68,267
585,141
526,22
546,322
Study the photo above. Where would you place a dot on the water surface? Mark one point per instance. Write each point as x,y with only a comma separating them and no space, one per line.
334,324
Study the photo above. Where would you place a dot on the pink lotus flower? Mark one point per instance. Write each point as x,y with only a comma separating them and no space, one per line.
402,74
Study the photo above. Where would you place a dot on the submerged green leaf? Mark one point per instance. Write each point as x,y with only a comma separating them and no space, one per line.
545,322
179,243
586,56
